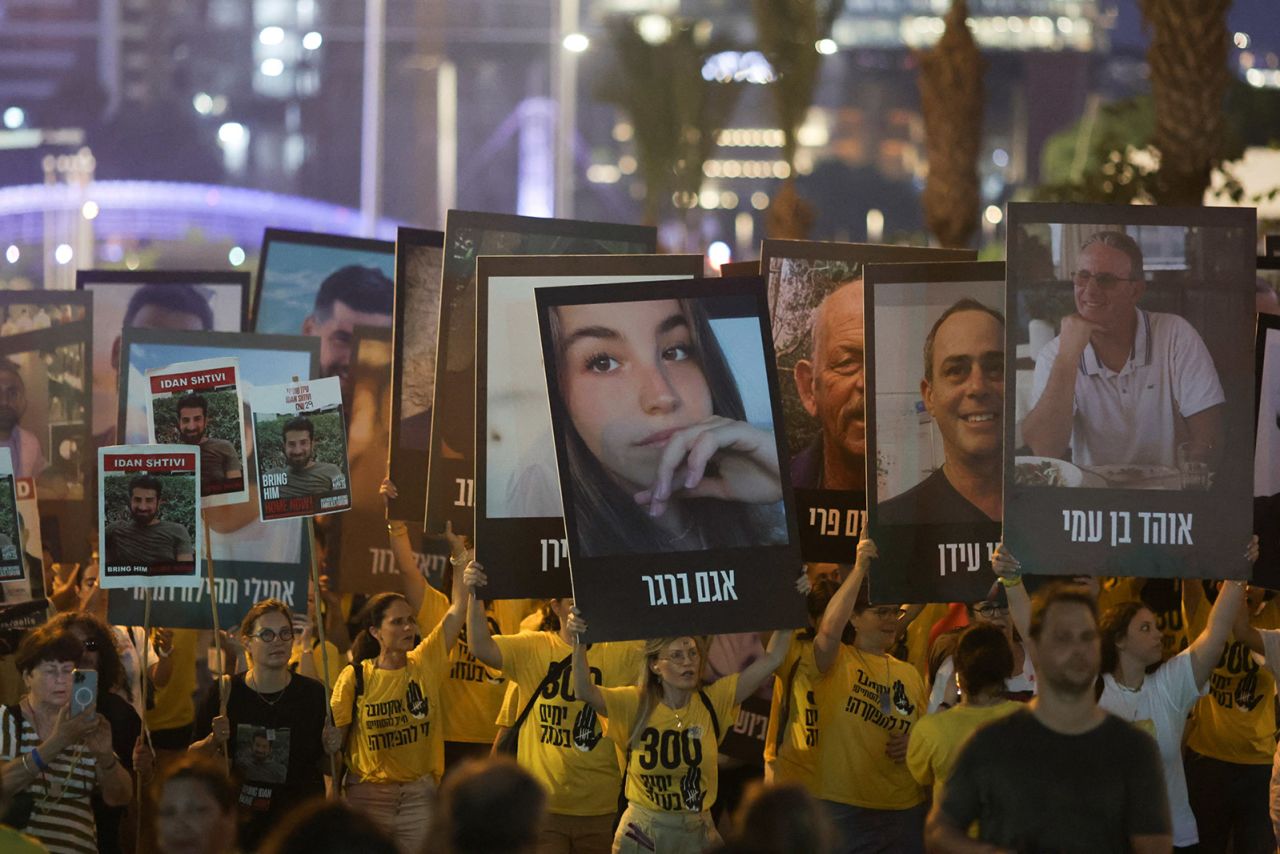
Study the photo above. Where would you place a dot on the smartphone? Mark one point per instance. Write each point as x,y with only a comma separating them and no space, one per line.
84,691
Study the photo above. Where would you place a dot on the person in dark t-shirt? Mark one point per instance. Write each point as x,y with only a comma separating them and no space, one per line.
1063,775
219,461
963,389
304,475
147,539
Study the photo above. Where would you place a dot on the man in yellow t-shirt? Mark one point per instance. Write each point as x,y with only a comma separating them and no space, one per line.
1231,739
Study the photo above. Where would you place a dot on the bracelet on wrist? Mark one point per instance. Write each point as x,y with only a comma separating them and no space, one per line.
459,561
397,528
1008,581
38,759
164,653
29,767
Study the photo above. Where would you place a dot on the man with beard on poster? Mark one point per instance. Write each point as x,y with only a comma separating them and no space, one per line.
1122,385
219,461
304,474
348,297
830,385
963,389
147,539
28,458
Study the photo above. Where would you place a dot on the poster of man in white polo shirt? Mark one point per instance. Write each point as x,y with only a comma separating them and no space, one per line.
1132,412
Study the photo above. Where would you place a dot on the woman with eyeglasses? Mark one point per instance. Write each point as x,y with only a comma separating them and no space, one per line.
275,731
867,702
670,728
1021,685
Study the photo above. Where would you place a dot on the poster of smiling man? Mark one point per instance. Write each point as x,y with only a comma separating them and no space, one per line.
815,305
935,403
519,518
669,437
1129,414
198,403
300,436
148,513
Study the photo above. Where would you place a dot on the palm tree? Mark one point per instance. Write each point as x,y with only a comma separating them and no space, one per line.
951,98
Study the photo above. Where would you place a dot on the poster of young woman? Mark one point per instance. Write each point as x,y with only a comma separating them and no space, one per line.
935,400
815,312
1129,425
468,235
149,516
198,403
668,433
519,520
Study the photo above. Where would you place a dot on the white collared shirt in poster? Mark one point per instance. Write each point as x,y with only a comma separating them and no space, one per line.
1127,416
1266,459
1160,708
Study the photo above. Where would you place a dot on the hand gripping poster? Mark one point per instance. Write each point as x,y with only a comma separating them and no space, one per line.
148,513
668,433
1129,414
198,403
300,436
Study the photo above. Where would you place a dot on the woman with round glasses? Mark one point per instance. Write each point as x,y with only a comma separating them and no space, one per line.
992,611
275,729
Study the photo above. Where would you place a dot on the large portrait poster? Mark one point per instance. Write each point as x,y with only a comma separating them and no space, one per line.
12,565
1266,455
301,440
519,521
149,516
324,286
198,403
1129,422
47,410
668,433
815,306
22,600
451,473
935,403
419,257
177,300
253,559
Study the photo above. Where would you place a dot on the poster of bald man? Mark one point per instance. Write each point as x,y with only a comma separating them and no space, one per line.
148,513
815,305
300,436
935,400
198,403
1129,401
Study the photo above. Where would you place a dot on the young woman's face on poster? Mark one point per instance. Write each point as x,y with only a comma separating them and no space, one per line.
631,377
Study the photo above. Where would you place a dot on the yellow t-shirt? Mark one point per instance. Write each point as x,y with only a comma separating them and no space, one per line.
397,734
561,742
672,767
1236,720
794,760
936,739
511,706
856,726
336,661
174,704
918,635
1116,590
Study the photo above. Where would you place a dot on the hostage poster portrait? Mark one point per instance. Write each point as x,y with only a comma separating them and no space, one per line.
198,403
13,565
519,519
935,403
467,236
148,513
668,441
815,312
1266,455
301,442
1129,416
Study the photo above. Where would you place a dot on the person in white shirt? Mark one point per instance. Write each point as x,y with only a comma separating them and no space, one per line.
1120,385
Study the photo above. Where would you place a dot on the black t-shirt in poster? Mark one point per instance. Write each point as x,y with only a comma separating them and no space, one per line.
1032,789
275,748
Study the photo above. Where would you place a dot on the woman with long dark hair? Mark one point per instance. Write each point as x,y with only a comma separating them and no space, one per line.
670,727
386,706
660,453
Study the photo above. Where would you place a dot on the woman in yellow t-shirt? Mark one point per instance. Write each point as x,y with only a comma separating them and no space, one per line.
867,703
560,738
387,706
983,662
668,730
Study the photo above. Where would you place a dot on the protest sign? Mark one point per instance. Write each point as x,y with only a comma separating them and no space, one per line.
300,438
1129,422
468,235
13,567
935,433
149,516
815,304
664,540
1266,455
198,403
519,521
